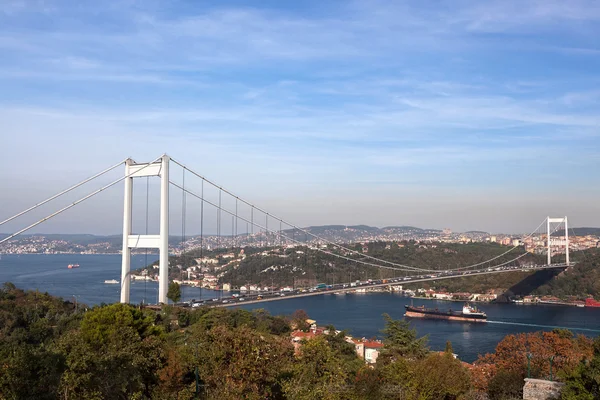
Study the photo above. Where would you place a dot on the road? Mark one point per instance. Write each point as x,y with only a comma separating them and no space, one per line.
254,298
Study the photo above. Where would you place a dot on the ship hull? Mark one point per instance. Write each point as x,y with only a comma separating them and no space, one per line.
414,312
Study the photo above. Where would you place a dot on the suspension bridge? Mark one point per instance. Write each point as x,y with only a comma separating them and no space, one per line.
276,230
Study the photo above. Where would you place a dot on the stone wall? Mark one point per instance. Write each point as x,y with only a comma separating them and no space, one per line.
538,389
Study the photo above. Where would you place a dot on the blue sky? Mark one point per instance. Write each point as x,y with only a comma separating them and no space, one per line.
463,114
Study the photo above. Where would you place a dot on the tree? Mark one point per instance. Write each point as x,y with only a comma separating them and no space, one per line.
506,385
401,341
439,377
174,292
584,382
512,353
114,355
299,318
368,384
30,322
99,324
317,373
434,377
449,349
240,363
175,379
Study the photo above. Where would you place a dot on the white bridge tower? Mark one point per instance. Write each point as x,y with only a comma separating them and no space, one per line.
559,221
160,241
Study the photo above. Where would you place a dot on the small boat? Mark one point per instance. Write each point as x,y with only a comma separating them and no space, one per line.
111,281
71,266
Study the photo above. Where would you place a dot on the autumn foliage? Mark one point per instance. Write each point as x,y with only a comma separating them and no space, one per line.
50,350
565,350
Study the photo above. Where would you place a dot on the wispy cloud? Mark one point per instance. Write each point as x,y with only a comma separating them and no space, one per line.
423,94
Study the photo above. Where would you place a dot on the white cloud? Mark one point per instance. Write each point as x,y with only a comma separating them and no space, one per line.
382,94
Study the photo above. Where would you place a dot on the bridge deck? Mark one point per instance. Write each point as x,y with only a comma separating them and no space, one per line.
233,302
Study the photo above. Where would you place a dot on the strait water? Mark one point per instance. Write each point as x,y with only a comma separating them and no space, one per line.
359,314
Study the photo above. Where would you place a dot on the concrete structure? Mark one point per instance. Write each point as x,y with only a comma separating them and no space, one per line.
538,389
549,222
160,241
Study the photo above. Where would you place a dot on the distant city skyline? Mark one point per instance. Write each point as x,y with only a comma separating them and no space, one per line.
468,116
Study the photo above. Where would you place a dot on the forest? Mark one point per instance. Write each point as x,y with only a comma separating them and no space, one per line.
49,349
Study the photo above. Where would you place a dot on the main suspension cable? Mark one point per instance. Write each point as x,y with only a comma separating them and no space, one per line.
77,202
91,178
318,237
297,241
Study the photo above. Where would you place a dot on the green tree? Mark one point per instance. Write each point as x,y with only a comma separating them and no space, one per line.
506,385
434,377
439,377
584,382
239,363
21,368
30,322
401,341
174,292
317,373
368,384
299,318
114,355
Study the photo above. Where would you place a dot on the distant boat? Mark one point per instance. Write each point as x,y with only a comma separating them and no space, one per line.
111,281
71,266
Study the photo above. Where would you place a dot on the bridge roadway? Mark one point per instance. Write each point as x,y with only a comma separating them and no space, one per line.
340,288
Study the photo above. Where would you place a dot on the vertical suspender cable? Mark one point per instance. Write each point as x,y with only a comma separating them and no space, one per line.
306,256
146,250
236,222
219,230
183,227
219,222
201,234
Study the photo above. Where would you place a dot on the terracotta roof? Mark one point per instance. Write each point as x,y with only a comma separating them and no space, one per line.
303,335
373,345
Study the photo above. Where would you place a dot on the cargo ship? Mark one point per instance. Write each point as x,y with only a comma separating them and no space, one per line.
468,313
590,302
71,266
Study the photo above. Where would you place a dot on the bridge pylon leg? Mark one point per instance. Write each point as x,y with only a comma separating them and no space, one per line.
163,283
126,254
567,241
160,241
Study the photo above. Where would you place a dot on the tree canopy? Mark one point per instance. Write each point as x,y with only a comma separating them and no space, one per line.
50,350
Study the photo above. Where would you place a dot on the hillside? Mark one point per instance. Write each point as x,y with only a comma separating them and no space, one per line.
303,265
580,280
